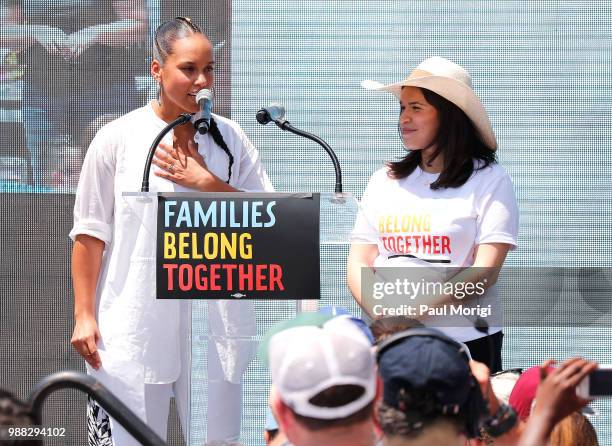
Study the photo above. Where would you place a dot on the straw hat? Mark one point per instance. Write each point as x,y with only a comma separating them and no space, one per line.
450,81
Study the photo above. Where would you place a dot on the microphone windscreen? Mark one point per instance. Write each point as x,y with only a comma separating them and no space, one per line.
204,93
263,117
276,111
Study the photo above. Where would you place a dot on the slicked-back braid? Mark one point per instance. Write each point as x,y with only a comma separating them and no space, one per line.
218,139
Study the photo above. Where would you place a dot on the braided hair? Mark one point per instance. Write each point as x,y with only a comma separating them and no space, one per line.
163,42
218,139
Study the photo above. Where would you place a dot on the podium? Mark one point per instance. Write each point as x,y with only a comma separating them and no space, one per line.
227,386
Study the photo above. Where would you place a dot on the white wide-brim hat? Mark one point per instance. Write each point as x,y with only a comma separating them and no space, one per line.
450,81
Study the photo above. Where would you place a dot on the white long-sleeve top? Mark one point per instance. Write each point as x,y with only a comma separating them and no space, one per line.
134,325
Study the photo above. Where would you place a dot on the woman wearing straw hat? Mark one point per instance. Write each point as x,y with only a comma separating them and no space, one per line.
446,202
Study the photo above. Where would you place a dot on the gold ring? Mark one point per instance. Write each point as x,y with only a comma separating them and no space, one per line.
170,167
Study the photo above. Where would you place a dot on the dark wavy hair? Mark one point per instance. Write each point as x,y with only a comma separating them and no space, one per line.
421,409
457,141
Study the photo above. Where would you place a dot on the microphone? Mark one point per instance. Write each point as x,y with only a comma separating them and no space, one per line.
201,120
273,112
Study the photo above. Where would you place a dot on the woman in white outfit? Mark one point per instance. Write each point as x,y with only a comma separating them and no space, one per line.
136,345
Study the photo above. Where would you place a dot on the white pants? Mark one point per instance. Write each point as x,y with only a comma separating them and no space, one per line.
157,408
151,402
223,414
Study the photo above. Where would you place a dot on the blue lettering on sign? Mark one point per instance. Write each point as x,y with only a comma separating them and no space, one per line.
218,214
168,212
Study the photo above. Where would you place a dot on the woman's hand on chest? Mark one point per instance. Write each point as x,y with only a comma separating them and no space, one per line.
182,164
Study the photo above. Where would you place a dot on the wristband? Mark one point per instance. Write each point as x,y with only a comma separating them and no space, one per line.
504,419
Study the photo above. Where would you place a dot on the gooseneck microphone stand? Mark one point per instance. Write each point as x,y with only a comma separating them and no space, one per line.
182,119
263,117
285,125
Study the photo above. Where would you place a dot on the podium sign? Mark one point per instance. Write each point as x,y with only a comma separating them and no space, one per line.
238,246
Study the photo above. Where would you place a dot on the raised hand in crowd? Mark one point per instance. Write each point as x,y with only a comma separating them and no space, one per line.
555,399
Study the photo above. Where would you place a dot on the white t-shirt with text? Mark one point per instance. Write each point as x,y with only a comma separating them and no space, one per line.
415,226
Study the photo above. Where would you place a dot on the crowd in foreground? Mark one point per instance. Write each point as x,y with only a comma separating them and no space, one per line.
335,382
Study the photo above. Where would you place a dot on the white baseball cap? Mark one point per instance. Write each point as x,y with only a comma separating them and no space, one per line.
306,360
